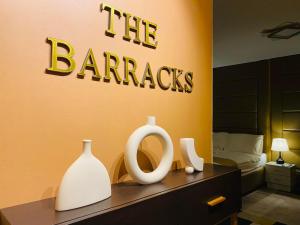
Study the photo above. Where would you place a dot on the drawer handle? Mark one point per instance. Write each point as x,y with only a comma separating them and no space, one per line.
216,201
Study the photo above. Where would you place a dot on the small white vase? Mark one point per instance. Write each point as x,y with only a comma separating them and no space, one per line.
85,182
189,154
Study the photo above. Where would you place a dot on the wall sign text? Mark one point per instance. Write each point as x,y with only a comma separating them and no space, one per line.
121,69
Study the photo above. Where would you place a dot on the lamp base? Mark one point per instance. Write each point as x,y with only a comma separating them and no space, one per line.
280,159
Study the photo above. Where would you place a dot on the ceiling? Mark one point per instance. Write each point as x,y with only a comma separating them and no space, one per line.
237,27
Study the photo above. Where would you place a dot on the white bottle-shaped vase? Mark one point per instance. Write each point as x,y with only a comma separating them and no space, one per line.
85,182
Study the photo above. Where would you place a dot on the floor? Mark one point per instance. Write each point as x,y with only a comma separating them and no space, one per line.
268,207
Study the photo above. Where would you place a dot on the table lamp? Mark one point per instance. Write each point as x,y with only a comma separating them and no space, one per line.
279,145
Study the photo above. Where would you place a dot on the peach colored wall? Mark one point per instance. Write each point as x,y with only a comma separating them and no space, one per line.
44,117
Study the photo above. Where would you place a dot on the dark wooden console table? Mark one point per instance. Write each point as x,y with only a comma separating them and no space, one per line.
204,198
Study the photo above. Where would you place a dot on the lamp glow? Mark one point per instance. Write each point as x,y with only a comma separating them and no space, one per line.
280,145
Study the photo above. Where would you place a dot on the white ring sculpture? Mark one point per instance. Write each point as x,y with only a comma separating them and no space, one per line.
132,146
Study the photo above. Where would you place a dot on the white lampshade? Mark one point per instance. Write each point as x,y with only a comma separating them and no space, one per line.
279,145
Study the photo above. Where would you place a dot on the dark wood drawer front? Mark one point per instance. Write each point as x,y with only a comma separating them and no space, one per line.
195,198
183,207
155,211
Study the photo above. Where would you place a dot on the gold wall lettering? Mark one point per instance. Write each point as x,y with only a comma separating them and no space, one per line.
91,66
131,72
159,80
150,28
64,64
55,57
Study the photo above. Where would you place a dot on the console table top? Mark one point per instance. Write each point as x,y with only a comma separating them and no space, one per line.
123,194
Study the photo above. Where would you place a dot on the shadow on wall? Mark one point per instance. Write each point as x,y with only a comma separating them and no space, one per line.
145,161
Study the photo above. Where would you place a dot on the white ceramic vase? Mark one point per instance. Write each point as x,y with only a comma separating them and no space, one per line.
190,156
131,153
85,182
